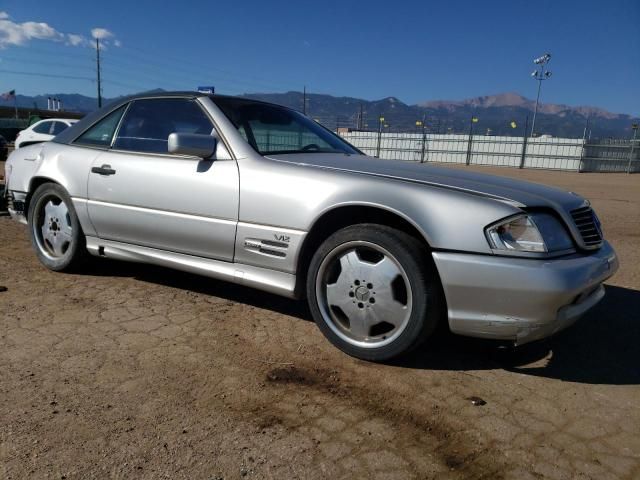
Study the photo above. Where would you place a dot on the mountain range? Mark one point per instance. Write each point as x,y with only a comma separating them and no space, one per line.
496,114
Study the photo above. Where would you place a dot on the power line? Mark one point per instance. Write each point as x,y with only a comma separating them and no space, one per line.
49,75
195,76
81,54
265,82
136,87
138,63
52,64
147,76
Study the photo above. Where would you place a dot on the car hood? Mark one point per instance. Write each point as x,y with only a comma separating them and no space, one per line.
518,192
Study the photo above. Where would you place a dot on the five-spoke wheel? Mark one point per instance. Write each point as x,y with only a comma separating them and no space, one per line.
373,291
55,231
364,294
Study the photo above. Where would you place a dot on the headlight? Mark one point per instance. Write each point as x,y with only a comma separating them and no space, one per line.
535,232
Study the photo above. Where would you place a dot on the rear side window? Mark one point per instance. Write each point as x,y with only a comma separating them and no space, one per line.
102,132
149,122
43,127
58,127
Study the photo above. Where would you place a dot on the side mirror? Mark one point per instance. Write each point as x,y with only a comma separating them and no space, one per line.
192,144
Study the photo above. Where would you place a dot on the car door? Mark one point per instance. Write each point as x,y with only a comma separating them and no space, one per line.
142,195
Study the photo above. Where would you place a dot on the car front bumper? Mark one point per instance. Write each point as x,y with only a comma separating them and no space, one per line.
15,205
521,300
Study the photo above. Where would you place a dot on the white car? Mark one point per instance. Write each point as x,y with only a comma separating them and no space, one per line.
42,131
261,195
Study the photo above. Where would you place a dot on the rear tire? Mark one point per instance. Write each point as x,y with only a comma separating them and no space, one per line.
374,291
56,234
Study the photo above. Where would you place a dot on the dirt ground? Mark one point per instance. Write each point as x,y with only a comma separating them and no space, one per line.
130,371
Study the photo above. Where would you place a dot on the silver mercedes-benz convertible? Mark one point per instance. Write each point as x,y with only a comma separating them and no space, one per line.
261,195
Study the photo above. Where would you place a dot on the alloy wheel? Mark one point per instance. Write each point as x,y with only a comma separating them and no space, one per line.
364,294
52,227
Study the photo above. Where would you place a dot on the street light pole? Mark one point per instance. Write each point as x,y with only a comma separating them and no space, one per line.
535,110
540,74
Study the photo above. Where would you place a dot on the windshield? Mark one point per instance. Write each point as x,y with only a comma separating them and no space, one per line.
270,129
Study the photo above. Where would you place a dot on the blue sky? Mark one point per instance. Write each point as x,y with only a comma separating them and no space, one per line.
414,50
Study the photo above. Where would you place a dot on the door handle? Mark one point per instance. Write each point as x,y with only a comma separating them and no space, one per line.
103,170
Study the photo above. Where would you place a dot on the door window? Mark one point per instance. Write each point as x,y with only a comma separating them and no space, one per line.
149,122
43,127
102,132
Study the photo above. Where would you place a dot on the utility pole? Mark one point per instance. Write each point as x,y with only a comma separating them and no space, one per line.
98,69
304,100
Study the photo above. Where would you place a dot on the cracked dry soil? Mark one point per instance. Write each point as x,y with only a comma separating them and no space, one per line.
131,371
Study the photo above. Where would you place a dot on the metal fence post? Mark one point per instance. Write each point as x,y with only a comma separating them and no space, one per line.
424,145
524,143
380,120
584,137
633,144
524,152
469,143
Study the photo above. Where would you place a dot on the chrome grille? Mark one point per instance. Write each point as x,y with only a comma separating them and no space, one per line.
588,225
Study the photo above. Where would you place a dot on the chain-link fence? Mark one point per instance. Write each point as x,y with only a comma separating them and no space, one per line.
612,156
521,152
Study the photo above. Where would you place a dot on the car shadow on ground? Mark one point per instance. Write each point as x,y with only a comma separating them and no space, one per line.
199,284
601,348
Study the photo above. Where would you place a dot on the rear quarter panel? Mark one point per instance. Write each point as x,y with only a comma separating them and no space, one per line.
20,167
67,165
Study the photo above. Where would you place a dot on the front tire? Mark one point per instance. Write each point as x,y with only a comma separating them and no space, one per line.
54,229
374,292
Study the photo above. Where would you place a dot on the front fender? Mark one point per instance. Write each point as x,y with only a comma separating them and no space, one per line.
295,196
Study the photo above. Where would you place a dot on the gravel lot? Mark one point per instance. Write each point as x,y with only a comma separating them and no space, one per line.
130,371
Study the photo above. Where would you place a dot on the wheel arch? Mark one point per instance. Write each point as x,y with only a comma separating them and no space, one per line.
28,144
34,183
342,216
